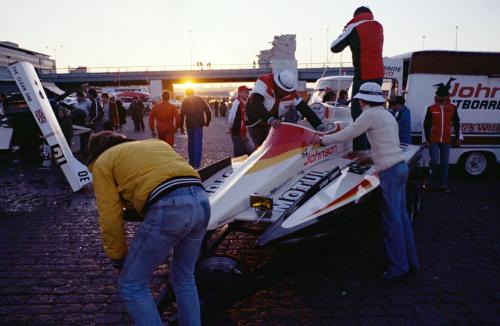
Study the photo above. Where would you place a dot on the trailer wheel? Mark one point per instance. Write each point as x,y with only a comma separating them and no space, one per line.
475,164
218,270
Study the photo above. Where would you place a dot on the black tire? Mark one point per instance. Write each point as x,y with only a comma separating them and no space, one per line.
475,164
215,275
218,270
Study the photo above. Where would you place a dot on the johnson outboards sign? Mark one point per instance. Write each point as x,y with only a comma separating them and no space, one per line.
475,96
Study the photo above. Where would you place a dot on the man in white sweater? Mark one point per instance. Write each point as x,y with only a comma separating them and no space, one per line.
383,135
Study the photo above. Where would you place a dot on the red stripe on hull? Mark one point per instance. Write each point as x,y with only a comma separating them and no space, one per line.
286,138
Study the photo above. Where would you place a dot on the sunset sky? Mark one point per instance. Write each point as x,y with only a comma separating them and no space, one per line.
157,33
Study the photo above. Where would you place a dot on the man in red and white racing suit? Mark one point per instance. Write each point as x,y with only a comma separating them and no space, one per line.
274,92
365,37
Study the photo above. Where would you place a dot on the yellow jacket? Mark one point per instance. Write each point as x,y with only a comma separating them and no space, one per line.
127,173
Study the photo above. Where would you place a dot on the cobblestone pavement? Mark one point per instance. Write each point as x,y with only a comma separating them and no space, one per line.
53,271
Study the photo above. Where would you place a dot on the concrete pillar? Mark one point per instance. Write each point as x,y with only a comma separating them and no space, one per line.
158,86
285,64
168,86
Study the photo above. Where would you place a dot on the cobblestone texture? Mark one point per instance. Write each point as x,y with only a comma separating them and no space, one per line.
53,271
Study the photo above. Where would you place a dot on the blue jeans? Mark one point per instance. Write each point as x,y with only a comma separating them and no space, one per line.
441,153
177,221
398,239
195,143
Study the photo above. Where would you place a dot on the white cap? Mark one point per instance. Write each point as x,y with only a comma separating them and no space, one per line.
370,92
286,80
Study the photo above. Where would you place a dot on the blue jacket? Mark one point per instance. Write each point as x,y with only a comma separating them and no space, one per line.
403,117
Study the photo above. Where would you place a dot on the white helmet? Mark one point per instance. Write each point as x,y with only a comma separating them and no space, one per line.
370,92
286,80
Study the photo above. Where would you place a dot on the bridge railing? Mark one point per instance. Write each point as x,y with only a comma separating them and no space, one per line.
205,66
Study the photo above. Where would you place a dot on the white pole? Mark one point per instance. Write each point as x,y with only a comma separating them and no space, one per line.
423,42
311,52
456,38
327,47
191,48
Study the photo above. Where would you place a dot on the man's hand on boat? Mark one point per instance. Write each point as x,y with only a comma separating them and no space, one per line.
273,122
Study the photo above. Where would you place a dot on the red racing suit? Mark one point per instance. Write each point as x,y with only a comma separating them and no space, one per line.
365,37
264,106
438,122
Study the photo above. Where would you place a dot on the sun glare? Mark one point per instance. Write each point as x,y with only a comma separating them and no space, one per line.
188,84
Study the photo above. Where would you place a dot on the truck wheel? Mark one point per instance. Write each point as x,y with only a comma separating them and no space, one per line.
475,164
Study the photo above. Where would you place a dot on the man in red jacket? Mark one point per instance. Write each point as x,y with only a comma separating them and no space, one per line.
271,92
167,119
365,37
437,128
236,123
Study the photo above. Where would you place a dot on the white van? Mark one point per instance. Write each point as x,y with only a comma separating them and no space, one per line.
391,86
476,93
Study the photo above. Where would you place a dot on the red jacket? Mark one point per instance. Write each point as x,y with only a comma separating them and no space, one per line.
365,37
164,113
438,122
266,87
264,104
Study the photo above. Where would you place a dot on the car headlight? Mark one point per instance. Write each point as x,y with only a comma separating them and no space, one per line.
261,202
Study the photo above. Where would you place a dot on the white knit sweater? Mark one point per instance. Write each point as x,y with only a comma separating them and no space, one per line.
382,131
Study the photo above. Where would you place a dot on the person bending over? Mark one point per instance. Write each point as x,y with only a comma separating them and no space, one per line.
167,191
272,91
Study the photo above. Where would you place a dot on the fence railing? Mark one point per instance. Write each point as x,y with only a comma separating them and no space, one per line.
205,66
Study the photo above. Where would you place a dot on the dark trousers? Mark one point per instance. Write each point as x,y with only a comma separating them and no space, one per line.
258,133
360,143
439,152
98,125
195,146
241,146
108,126
84,139
139,125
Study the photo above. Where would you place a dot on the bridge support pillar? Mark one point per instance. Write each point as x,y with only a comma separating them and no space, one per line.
158,86
168,86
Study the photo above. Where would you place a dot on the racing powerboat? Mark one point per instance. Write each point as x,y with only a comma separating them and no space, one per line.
291,182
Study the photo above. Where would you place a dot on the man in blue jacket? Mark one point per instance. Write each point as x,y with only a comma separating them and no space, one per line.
403,117
196,113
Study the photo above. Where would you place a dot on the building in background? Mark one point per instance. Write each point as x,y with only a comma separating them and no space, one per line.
78,70
11,52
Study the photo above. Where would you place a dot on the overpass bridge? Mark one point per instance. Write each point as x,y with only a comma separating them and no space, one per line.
170,77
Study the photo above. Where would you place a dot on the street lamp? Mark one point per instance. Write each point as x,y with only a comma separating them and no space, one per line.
191,47
311,52
327,47
456,38
54,49
423,42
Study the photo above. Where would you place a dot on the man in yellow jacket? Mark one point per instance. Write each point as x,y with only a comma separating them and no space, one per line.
168,192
